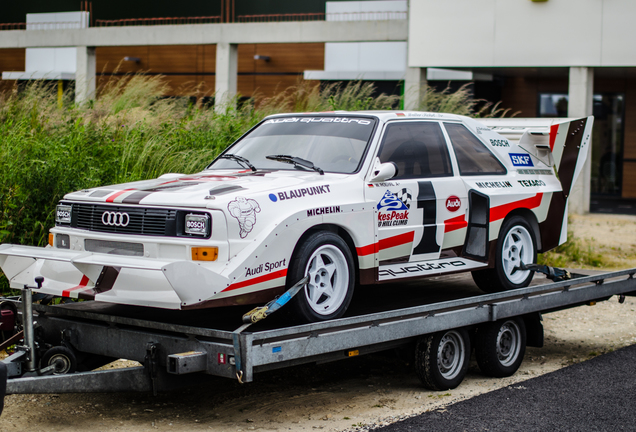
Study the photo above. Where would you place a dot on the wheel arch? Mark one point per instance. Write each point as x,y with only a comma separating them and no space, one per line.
342,233
531,218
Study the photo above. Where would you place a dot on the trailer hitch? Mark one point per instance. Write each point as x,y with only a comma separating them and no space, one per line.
260,313
553,273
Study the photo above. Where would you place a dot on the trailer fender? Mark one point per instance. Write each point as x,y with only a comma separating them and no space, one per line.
534,329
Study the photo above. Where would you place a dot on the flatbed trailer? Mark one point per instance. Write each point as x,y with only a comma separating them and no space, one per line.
176,353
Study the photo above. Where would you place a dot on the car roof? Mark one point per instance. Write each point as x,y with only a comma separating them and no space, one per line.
381,115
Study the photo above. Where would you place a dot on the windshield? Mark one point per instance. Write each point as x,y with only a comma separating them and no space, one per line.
333,144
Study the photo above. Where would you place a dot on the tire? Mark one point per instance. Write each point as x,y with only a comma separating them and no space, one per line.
326,258
516,244
500,347
63,358
441,359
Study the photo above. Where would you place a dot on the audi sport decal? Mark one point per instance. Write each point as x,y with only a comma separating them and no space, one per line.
244,210
266,267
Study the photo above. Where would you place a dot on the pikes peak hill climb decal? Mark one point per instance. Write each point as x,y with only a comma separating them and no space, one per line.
393,208
244,210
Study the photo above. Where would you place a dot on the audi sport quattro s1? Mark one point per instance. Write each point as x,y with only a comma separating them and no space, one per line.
346,198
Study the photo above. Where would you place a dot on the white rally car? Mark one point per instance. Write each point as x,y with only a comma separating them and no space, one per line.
347,198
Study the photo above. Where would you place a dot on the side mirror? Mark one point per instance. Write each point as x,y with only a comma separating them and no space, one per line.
384,172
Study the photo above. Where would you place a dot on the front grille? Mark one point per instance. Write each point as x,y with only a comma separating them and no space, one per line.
143,221
114,247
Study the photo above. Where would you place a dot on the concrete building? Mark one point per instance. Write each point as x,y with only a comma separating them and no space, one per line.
540,58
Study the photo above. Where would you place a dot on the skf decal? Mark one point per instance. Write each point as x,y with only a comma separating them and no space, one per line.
323,210
531,183
393,208
493,185
520,159
300,193
267,267
499,143
453,203
244,210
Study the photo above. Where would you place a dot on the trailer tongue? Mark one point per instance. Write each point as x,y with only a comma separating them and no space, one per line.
63,339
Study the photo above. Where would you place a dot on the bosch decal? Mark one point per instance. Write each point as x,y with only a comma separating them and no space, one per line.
499,143
244,210
453,203
393,208
323,210
493,185
300,193
531,183
520,159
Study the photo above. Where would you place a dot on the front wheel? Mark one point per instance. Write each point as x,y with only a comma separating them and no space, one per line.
516,246
328,262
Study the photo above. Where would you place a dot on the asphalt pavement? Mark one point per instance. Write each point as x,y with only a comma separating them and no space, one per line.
595,395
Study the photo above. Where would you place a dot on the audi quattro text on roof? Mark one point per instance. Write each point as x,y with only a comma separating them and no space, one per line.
346,198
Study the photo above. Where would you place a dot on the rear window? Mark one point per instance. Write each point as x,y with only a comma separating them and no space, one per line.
473,157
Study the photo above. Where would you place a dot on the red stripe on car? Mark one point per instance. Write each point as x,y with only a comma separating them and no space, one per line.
82,284
116,194
264,278
502,211
554,129
455,223
386,243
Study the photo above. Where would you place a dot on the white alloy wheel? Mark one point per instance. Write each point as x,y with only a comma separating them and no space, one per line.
328,279
508,343
517,248
450,355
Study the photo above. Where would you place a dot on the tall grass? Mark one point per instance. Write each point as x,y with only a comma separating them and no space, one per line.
130,132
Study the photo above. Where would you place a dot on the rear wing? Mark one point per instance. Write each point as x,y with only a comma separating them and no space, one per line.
562,143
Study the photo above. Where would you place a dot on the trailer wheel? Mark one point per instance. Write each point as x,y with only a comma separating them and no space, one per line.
500,347
328,262
62,357
441,359
516,244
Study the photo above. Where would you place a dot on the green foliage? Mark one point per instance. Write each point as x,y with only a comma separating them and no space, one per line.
130,132
574,254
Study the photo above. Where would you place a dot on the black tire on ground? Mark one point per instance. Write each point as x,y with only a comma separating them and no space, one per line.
500,347
62,357
441,359
516,244
326,258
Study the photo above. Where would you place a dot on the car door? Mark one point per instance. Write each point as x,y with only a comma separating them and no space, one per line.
413,207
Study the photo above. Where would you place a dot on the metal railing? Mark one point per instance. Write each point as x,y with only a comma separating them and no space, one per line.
12,26
281,17
158,21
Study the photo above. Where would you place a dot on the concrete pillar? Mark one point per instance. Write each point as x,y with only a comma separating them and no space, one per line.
85,74
226,73
580,103
415,85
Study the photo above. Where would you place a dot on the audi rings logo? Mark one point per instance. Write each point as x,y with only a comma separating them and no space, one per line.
115,219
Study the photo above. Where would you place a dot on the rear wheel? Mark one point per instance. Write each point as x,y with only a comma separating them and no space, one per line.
500,347
328,262
516,246
441,359
63,358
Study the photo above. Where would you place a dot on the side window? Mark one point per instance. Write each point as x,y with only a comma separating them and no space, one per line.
417,148
473,157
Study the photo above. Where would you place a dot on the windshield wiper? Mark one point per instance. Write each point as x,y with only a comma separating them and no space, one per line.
298,162
239,159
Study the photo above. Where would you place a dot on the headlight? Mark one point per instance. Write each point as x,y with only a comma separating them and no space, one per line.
196,224
63,214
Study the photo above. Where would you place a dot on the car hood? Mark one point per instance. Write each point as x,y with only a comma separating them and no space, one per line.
208,188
